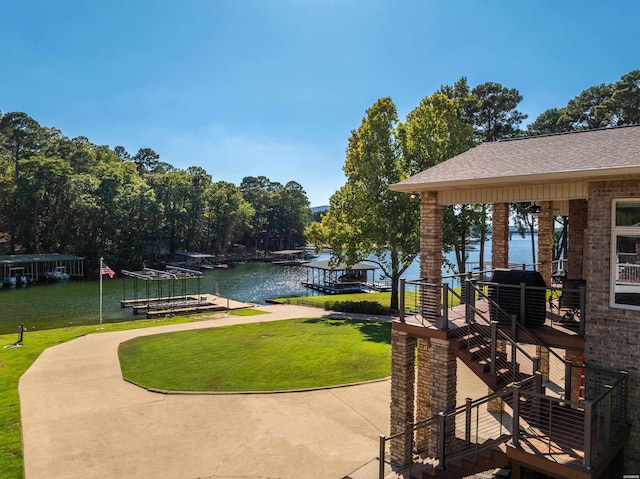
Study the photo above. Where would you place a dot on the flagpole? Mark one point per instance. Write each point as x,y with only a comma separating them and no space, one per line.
100,272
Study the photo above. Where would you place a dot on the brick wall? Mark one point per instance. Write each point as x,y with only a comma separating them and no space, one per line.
612,336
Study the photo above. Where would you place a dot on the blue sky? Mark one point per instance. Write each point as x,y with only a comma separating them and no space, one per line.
274,87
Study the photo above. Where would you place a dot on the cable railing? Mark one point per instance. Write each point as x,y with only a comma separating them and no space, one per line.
546,415
512,306
579,434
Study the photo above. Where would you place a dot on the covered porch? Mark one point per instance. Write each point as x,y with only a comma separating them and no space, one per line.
545,336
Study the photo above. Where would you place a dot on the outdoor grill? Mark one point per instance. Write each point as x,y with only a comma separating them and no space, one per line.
506,297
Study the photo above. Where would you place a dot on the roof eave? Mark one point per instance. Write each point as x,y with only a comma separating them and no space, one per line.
408,186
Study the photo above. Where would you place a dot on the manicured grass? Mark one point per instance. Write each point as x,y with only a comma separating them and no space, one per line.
15,361
270,356
383,298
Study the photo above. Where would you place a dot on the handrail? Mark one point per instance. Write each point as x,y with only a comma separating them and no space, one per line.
583,427
488,322
519,328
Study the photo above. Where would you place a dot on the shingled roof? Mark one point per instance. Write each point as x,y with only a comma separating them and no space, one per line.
576,156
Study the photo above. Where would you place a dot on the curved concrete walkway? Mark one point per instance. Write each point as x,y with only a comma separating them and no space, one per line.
80,419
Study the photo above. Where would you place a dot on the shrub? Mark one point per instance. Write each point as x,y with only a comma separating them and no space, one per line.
364,307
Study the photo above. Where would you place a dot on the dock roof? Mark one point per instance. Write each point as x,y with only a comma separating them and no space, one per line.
37,258
326,265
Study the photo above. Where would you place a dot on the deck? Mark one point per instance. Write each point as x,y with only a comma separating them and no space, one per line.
555,332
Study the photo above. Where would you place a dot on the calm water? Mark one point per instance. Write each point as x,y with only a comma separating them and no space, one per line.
78,302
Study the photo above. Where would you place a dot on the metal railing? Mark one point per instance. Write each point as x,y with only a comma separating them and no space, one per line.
581,426
576,433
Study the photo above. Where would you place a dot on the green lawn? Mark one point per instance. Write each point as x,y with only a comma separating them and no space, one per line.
270,356
15,361
384,298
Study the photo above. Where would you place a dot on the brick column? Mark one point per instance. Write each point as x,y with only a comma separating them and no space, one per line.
500,236
402,393
543,354
431,244
443,386
577,358
423,391
545,241
578,214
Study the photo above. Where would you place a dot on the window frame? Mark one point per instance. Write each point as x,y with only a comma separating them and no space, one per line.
616,232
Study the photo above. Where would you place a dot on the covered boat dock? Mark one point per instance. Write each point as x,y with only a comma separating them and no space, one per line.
36,267
289,257
338,278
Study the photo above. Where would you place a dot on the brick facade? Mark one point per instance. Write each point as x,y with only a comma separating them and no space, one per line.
612,336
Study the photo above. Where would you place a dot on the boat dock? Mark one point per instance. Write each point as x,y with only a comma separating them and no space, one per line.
166,302
172,305
23,269
328,278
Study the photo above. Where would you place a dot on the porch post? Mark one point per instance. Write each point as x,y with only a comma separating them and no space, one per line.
499,259
402,394
545,241
575,247
500,236
423,392
443,387
577,359
431,244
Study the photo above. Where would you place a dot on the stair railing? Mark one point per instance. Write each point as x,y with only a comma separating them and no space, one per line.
558,367
479,330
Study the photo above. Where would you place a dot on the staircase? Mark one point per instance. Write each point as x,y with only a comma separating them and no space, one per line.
559,433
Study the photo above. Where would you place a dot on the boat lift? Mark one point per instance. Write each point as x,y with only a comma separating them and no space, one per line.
171,292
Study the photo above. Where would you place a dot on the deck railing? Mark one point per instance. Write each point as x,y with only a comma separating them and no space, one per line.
575,433
545,413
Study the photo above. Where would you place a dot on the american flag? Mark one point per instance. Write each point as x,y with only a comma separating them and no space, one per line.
106,270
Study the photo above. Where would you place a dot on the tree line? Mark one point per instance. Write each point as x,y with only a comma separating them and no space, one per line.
60,194
368,221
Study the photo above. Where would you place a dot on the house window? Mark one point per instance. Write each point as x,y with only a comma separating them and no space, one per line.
625,254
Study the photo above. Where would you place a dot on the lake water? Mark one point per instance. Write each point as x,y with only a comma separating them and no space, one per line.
78,302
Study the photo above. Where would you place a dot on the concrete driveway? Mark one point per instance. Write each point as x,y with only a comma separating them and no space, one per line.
80,419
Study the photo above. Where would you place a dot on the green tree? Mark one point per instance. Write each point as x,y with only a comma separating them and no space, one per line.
494,112
146,160
623,107
260,193
228,216
19,136
586,111
42,197
291,214
366,220
550,122
434,132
